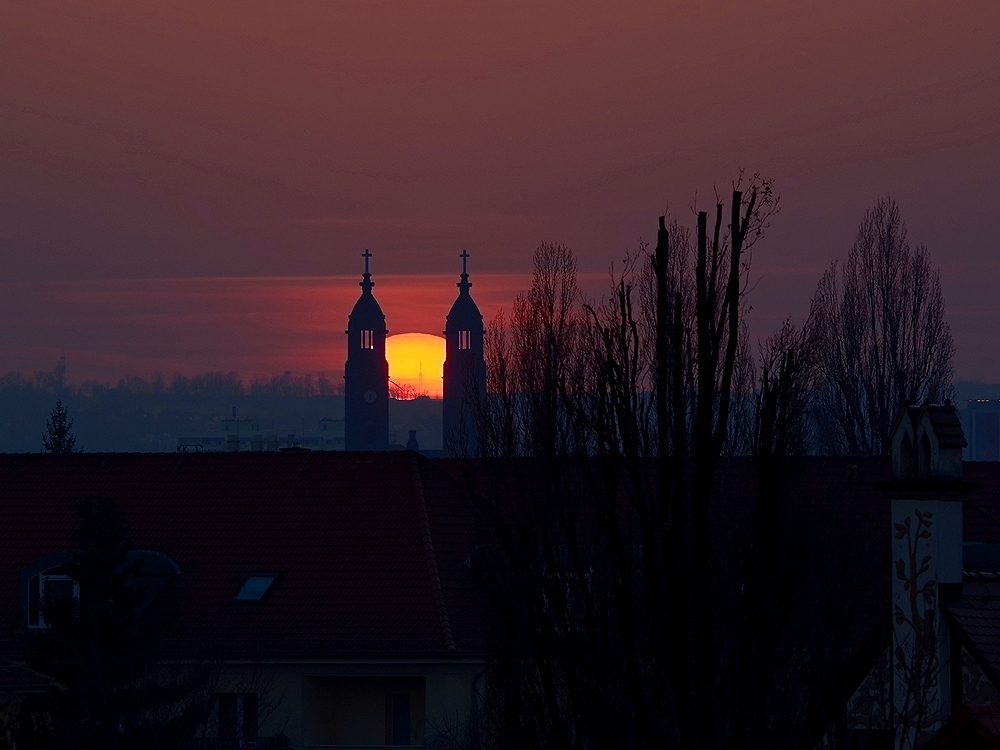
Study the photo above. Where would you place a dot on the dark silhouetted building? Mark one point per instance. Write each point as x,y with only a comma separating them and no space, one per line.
366,374
464,371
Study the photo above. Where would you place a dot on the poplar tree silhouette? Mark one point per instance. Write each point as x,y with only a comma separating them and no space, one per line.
883,338
58,436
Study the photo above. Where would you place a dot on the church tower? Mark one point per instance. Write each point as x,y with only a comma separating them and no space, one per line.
464,371
366,373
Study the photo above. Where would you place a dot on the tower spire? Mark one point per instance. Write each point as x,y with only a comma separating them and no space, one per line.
464,284
366,372
464,371
366,284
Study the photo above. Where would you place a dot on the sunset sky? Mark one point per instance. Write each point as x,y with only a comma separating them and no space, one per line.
189,185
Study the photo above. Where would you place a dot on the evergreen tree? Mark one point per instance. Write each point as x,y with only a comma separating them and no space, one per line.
58,436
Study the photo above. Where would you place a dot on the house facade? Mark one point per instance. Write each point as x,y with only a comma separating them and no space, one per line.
327,592
927,674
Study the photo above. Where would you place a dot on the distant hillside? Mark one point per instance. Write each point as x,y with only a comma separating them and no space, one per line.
966,389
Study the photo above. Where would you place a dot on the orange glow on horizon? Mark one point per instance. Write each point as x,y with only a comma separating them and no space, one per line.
416,361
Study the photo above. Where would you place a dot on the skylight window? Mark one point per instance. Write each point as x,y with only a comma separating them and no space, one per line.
255,588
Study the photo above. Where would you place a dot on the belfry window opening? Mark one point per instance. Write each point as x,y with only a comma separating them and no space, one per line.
465,339
368,339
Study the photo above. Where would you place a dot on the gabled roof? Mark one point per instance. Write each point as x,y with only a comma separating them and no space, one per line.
981,509
365,571
944,421
846,490
947,427
978,616
17,679
369,547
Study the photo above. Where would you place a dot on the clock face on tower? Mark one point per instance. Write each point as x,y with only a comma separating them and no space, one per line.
370,396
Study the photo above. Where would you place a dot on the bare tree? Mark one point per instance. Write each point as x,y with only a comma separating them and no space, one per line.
784,381
535,362
883,335
624,613
696,360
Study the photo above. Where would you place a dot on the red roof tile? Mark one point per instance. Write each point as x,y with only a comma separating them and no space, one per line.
346,533
342,529
17,679
978,615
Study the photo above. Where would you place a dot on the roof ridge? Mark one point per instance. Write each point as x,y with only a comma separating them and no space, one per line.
432,567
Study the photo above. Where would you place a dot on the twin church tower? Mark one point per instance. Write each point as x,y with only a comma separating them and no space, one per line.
366,373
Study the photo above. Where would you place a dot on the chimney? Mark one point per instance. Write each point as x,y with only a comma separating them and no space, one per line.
926,490
412,444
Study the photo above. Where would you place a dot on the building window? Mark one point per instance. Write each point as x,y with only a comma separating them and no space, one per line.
465,339
237,716
368,339
397,719
48,593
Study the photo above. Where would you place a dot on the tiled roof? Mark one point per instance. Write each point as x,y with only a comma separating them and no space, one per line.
947,426
978,615
18,679
944,420
981,510
361,572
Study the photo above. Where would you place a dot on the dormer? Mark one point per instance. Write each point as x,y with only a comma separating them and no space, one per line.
926,442
46,582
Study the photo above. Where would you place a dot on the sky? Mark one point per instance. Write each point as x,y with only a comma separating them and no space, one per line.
188,186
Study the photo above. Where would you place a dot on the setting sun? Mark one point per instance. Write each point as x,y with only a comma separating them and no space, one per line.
416,362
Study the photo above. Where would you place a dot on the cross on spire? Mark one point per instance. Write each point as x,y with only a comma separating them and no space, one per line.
367,283
464,284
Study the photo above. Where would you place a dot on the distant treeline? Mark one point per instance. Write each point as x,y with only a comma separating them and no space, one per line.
142,415
139,414
216,383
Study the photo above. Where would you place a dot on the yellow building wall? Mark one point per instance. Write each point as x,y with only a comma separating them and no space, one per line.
346,704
